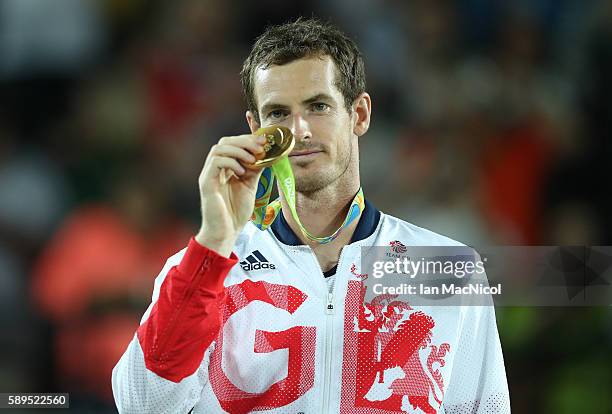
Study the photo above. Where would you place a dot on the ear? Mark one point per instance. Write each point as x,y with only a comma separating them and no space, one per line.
362,110
252,121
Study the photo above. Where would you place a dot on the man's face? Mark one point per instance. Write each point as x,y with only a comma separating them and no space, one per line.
301,95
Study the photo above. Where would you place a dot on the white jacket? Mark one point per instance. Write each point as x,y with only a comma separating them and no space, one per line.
273,335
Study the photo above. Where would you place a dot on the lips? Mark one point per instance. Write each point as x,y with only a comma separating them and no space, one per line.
305,152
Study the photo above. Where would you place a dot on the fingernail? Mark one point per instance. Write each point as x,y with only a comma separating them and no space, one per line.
261,139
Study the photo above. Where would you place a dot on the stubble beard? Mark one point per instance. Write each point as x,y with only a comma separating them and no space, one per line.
313,181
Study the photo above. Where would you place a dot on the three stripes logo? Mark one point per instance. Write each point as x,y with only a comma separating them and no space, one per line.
256,261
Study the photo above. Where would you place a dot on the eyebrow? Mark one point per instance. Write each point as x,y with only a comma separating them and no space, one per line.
318,97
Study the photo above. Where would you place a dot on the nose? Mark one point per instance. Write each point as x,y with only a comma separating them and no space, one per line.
300,128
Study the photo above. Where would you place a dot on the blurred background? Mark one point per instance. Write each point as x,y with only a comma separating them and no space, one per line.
491,124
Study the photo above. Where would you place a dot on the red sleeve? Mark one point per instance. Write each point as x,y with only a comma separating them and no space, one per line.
185,319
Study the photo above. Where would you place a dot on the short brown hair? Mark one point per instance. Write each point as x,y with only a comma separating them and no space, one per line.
285,43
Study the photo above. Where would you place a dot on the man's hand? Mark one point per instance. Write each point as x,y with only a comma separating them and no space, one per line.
227,205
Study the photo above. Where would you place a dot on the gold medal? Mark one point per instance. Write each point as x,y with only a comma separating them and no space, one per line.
279,143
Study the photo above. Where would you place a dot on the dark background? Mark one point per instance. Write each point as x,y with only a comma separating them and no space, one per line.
491,124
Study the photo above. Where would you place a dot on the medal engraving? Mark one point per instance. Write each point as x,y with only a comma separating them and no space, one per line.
279,143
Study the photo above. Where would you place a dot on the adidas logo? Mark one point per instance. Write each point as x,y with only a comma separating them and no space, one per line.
256,261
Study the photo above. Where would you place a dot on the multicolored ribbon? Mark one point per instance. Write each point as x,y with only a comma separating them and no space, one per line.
265,212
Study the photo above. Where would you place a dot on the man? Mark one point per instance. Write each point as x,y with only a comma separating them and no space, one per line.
286,329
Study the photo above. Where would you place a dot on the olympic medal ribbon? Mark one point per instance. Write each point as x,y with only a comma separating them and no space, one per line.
265,212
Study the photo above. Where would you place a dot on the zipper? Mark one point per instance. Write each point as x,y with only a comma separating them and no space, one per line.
328,357
330,310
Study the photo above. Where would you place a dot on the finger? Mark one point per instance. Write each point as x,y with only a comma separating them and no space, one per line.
252,175
232,151
219,162
252,143
225,175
